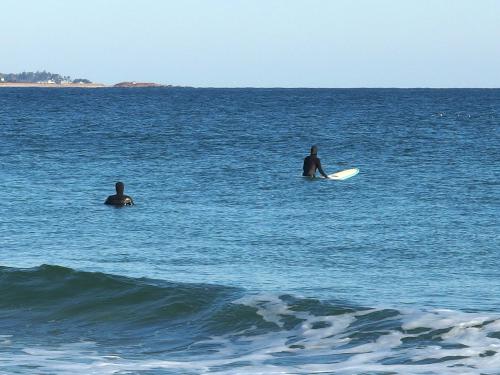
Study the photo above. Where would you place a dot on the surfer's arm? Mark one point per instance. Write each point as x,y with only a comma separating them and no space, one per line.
320,169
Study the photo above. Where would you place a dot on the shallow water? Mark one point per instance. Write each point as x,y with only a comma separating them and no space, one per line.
249,268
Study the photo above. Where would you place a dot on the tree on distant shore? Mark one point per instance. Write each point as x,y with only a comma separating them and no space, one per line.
35,77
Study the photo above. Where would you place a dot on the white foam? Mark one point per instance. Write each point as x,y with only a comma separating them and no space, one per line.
270,307
318,344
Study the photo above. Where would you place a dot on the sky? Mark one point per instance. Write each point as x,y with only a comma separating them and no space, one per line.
257,43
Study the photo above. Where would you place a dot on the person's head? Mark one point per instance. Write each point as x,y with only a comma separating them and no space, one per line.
120,187
314,150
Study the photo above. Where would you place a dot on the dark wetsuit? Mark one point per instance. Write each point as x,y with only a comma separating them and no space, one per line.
119,200
311,163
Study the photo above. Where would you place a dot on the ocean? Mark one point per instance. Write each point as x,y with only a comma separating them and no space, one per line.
230,262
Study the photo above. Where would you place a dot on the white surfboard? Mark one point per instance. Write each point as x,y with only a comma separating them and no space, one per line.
344,175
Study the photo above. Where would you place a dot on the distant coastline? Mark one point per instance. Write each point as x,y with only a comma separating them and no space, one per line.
53,80
52,85
85,85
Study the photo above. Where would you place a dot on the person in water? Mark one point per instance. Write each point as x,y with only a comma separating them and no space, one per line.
119,199
311,163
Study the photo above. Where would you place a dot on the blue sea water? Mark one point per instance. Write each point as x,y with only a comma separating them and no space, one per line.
230,262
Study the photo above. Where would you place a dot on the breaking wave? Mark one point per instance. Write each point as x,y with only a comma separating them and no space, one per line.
58,320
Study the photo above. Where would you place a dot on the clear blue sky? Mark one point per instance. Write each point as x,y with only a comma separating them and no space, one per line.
260,43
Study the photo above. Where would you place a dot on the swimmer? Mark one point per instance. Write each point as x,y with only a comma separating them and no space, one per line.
119,199
311,163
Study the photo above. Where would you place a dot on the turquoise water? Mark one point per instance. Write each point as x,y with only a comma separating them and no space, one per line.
230,262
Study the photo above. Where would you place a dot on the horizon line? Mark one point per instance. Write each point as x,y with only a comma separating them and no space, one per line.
169,86
341,88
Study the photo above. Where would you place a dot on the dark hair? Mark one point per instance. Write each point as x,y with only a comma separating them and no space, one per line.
314,150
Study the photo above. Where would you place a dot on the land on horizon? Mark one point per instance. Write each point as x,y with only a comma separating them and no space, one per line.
84,85
53,80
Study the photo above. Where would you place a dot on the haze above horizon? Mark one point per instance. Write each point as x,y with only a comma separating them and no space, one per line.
272,43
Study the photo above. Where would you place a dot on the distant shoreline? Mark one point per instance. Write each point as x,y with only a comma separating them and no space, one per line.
86,85
53,85
155,85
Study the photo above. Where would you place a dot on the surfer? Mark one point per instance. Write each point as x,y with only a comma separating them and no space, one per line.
119,199
311,163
